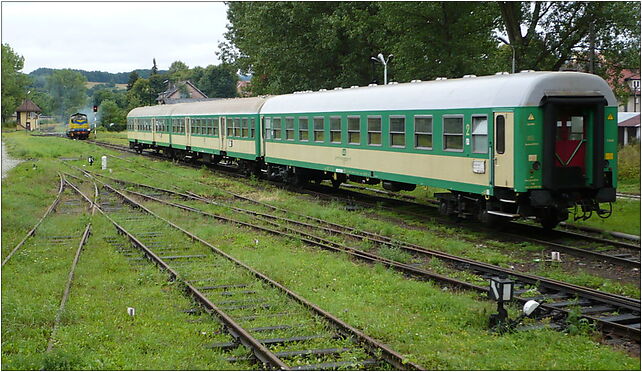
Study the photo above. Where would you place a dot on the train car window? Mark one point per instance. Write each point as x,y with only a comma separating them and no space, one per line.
182,122
423,132
335,129
267,125
577,128
374,130
354,130
289,128
196,123
500,134
453,133
252,122
304,128
398,131
276,124
244,128
480,134
319,135
237,127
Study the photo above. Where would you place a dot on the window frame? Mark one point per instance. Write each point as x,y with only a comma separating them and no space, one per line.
315,130
380,144
391,134
353,131
473,135
444,133
500,134
289,129
335,131
416,133
276,120
306,130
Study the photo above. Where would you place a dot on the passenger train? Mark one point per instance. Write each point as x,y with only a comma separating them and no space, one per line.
506,146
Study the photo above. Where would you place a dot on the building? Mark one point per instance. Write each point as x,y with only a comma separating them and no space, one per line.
628,127
630,79
182,91
28,116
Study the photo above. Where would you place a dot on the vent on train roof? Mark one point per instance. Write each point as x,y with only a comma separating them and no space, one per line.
393,83
415,81
354,86
441,78
526,71
372,85
502,73
469,76
338,88
323,90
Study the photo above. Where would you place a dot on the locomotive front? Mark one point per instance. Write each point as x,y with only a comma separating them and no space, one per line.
78,126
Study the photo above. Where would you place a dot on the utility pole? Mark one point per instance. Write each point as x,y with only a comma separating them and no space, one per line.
591,48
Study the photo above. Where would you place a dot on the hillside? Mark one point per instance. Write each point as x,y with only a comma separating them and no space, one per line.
94,76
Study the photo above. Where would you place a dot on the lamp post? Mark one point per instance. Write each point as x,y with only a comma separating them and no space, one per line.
384,61
512,47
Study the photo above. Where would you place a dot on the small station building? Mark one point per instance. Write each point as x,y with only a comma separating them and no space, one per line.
28,116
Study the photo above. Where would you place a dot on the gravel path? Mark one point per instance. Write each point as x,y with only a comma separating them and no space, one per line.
7,162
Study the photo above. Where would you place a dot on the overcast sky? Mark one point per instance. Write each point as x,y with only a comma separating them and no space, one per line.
113,36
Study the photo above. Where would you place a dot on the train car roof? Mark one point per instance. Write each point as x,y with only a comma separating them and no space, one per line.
227,106
508,90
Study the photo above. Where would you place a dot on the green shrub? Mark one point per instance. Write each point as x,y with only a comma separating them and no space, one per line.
629,162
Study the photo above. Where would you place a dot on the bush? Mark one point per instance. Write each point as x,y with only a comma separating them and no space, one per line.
629,162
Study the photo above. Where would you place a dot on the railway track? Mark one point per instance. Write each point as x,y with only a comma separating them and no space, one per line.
612,313
347,194
280,328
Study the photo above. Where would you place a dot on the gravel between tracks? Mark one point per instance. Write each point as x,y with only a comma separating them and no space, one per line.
7,162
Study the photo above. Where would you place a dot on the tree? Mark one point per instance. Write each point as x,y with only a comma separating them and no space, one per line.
154,68
67,88
111,113
178,71
433,39
13,81
133,76
548,35
291,46
140,94
217,81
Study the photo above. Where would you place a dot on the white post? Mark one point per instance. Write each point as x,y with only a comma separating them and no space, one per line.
104,162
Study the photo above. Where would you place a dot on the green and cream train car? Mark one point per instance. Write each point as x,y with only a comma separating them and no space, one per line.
209,130
505,146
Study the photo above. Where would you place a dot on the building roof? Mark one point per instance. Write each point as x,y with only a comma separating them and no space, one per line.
173,88
505,90
628,119
28,106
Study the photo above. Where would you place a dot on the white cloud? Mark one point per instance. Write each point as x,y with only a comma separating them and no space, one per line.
114,37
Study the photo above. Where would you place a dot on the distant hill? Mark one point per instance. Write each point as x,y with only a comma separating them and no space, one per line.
40,74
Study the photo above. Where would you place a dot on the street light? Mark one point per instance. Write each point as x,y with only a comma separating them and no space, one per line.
511,46
384,61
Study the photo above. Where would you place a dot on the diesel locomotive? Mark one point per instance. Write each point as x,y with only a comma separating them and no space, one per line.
505,146
78,126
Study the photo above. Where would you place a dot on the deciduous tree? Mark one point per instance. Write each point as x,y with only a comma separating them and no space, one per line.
13,81
67,88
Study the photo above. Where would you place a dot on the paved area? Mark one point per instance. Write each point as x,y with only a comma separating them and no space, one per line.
7,162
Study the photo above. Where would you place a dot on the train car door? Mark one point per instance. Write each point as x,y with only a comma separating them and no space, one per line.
504,151
153,125
188,132
222,130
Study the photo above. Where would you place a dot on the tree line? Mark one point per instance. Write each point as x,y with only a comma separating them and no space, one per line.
290,46
62,92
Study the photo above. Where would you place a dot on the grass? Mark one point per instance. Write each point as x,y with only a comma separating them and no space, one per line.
439,329
629,169
625,218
